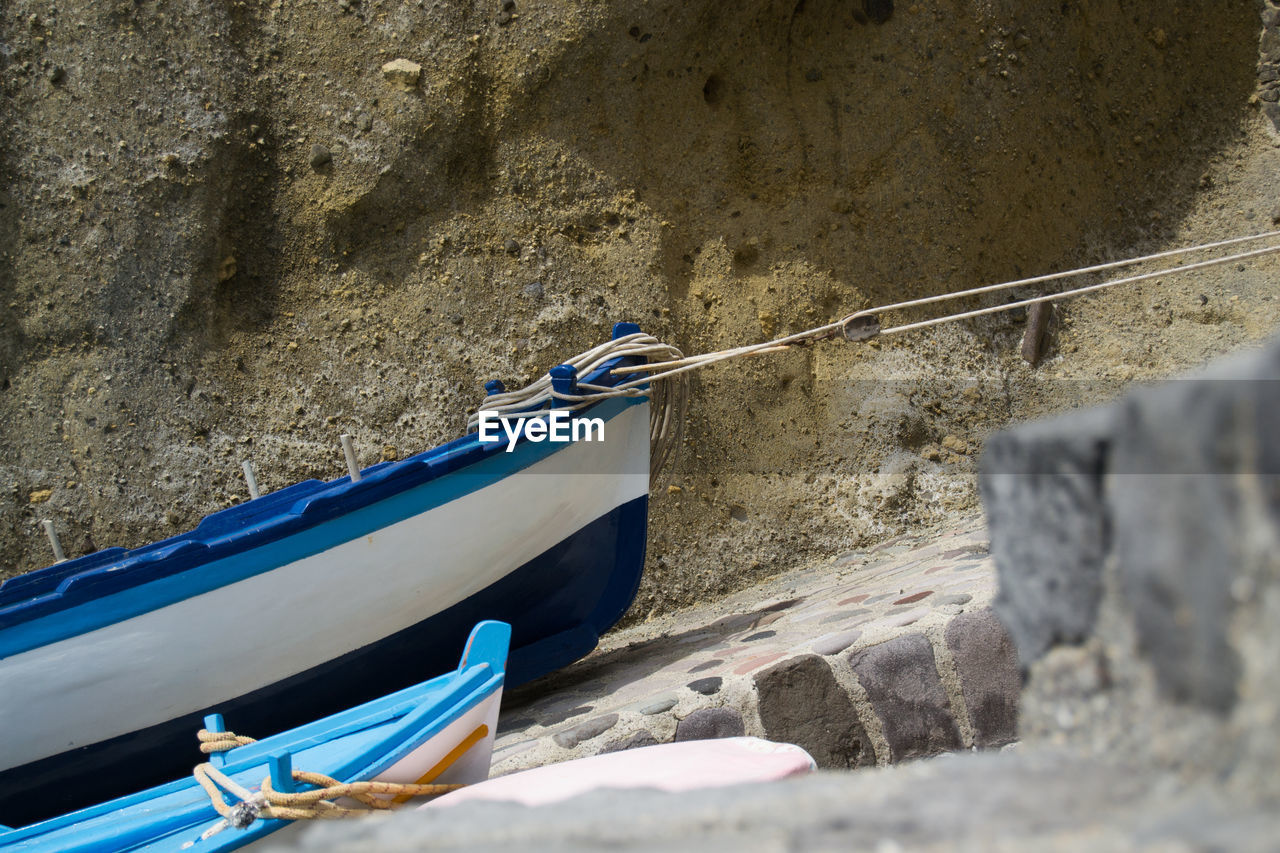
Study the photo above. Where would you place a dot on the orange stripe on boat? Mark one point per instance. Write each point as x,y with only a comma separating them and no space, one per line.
446,762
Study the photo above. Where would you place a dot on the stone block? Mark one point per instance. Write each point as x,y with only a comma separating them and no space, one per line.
901,680
706,686
1175,485
1041,487
574,735
707,723
987,664
633,741
402,72
801,702
1194,474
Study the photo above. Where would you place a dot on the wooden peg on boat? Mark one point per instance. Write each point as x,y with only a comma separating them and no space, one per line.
564,380
250,480
349,450
58,554
215,724
280,765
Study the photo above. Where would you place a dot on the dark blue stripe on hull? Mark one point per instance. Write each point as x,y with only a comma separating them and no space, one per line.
557,604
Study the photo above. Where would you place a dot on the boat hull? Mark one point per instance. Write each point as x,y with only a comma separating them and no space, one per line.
547,538
440,731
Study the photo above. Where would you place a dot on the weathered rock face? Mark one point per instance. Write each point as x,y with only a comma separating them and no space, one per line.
227,232
1269,62
1174,662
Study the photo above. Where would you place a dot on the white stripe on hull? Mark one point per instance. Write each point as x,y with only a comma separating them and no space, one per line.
470,767
236,639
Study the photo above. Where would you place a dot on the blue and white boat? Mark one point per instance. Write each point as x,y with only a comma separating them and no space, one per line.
437,732
318,597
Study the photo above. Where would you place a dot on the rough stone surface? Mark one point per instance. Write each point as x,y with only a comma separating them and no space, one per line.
1179,670
990,801
402,72
571,737
631,741
706,686
707,723
1269,64
902,684
986,662
1114,475
801,702
1041,485
1180,583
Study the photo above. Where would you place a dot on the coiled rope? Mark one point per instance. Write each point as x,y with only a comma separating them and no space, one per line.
667,400
316,804
664,373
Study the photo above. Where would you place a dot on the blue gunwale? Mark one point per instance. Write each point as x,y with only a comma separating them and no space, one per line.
415,713
259,535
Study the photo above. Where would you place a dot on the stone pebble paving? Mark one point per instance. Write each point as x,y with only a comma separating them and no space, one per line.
873,657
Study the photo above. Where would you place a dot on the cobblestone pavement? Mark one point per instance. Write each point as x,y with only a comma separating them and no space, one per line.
870,658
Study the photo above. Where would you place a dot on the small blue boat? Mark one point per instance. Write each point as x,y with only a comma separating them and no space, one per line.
437,732
321,596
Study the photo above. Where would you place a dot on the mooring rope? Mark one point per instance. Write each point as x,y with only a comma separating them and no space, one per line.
211,742
316,804
664,377
667,400
864,325
1055,297
1110,265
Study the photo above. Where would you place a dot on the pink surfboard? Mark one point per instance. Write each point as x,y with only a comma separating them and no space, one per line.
680,766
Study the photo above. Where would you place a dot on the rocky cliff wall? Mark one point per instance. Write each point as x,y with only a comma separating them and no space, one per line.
225,233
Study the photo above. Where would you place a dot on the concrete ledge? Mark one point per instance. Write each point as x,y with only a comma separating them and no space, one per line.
994,801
